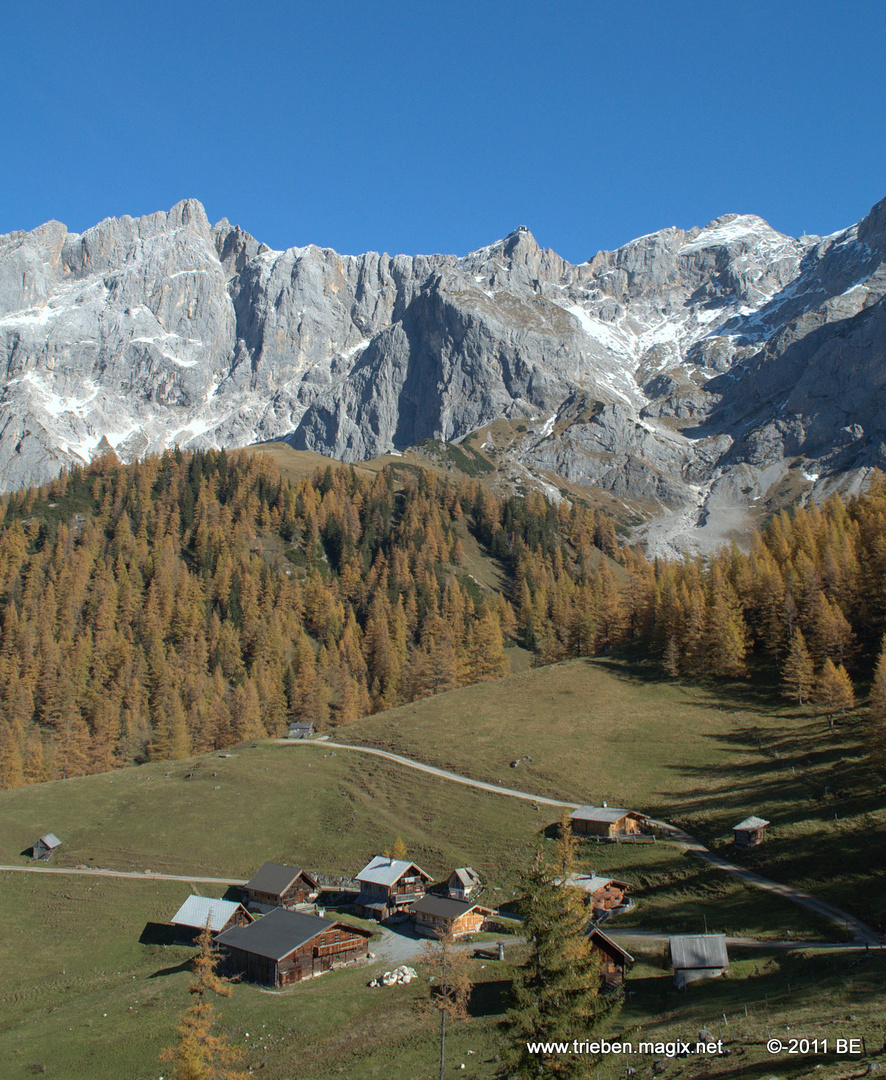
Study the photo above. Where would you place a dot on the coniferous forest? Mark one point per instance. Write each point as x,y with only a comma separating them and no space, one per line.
190,601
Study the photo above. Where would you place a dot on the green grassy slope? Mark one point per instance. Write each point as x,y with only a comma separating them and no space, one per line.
76,949
703,757
322,809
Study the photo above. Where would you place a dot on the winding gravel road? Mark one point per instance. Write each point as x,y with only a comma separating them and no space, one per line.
863,933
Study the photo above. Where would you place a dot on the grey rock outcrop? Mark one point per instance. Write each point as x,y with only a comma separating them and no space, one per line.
687,369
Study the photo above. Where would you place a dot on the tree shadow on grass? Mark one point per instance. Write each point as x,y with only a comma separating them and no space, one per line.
175,969
758,692
489,998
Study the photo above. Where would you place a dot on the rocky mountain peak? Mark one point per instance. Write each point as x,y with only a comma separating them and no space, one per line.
872,228
699,373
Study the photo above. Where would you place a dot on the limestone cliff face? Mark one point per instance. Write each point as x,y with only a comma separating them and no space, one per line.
686,367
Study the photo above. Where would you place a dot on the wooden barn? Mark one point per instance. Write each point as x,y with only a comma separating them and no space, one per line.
750,832
275,885
698,956
462,882
284,947
614,960
46,846
606,821
389,886
197,912
300,731
436,916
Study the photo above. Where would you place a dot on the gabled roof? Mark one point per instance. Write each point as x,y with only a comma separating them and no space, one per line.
196,910
751,823
467,875
592,883
607,814
276,878
609,946
384,871
50,840
442,907
699,951
276,934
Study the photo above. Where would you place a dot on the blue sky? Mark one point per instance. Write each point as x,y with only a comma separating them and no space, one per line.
400,126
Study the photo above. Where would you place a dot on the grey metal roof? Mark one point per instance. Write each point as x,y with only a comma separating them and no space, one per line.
50,840
699,951
196,910
591,883
276,934
751,823
276,878
468,876
384,871
608,814
443,908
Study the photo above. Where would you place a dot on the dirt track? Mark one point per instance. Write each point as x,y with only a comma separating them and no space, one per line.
861,931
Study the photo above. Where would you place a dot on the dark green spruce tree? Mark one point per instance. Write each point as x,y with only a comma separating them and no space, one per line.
556,991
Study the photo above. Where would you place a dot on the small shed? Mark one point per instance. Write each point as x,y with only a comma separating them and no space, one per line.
301,731
276,885
438,915
698,956
45,846
614,960
462,882
607,821
284,947
197,912
750,832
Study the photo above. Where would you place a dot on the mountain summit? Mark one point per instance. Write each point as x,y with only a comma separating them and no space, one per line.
698,373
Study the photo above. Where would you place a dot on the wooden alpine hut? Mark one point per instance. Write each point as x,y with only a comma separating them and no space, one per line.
275,885
606,821
198,912
436,916
46,846
750,832
284,947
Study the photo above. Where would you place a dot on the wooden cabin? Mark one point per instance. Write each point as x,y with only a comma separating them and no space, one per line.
436,916
606,821
698,956
198,912
603,893
750,832
389,886
462,882
276,885
614,960
284,947
301,731
45,847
